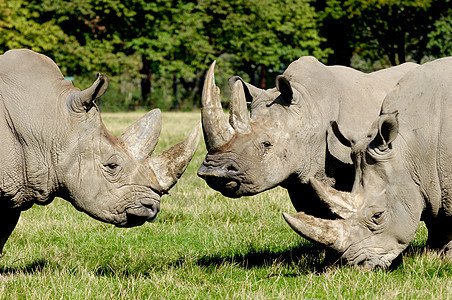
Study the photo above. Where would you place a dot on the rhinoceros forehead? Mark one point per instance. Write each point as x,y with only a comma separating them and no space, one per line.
265,110
264,99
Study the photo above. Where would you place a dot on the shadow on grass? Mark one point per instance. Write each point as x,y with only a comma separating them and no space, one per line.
301,259
306,258
415,250
29,268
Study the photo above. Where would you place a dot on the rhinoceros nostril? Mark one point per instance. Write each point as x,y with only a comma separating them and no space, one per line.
152,205
231,168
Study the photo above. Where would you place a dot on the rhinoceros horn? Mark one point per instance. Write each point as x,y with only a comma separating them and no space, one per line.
140,140
342,204
141,137
217,131
330,233
239,117
169,165
84,100
251,91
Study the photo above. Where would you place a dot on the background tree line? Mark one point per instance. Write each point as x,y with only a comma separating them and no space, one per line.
157,52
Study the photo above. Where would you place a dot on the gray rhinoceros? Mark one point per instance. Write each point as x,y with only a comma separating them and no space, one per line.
288,137
403,175
55,144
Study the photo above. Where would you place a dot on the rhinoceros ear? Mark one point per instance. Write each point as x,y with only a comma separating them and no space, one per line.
283,86
388,129
141,137
251,91
84,100
338,144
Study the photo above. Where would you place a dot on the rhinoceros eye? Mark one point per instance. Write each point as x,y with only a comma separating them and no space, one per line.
112,166
267,144
377,217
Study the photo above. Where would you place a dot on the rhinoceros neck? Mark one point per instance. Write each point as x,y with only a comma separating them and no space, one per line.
332,172
305,199
28,173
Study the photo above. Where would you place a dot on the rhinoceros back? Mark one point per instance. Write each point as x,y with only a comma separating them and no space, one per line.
360,99
29,83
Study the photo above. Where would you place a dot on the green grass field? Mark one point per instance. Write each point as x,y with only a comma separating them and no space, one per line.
203,245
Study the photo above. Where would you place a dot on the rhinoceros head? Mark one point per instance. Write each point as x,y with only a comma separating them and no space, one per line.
115,179
378,219
253,153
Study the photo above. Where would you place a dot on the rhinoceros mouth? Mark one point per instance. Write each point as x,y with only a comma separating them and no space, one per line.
226,186
224,178
146,211
371,259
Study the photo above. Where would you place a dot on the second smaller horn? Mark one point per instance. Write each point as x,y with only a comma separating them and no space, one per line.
239,117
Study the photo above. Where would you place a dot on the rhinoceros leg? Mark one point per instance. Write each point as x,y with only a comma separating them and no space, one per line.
448,251
440,235
8,221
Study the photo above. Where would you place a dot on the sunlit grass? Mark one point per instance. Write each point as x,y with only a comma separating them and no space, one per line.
203,245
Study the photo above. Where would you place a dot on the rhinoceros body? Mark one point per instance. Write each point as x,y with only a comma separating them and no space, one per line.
288,137
403,174
55,144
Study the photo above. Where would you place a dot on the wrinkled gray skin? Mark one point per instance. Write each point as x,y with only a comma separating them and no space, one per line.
55,144
288,137
403,175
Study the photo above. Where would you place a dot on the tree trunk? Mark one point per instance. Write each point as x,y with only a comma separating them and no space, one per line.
262,77
146,83
175,92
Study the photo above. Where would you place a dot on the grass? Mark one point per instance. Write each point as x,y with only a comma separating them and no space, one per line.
202,246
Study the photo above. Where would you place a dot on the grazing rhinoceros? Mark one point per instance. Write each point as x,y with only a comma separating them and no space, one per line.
55,144
403,174
286,140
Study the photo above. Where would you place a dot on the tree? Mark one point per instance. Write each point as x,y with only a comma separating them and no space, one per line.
386,31
263,34
18,29
440,38
172,38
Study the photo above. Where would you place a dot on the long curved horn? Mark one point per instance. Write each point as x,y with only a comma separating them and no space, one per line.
239,117
217,131
141,137
330,233
342,204
169,165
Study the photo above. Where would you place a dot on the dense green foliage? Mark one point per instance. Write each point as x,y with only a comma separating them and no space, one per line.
163,48
378,33
203,246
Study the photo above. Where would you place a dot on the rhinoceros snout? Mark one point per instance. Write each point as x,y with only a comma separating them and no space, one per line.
146,213
153,207
221,178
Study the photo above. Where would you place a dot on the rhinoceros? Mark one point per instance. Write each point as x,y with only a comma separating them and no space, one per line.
288,138
403,175
54,144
